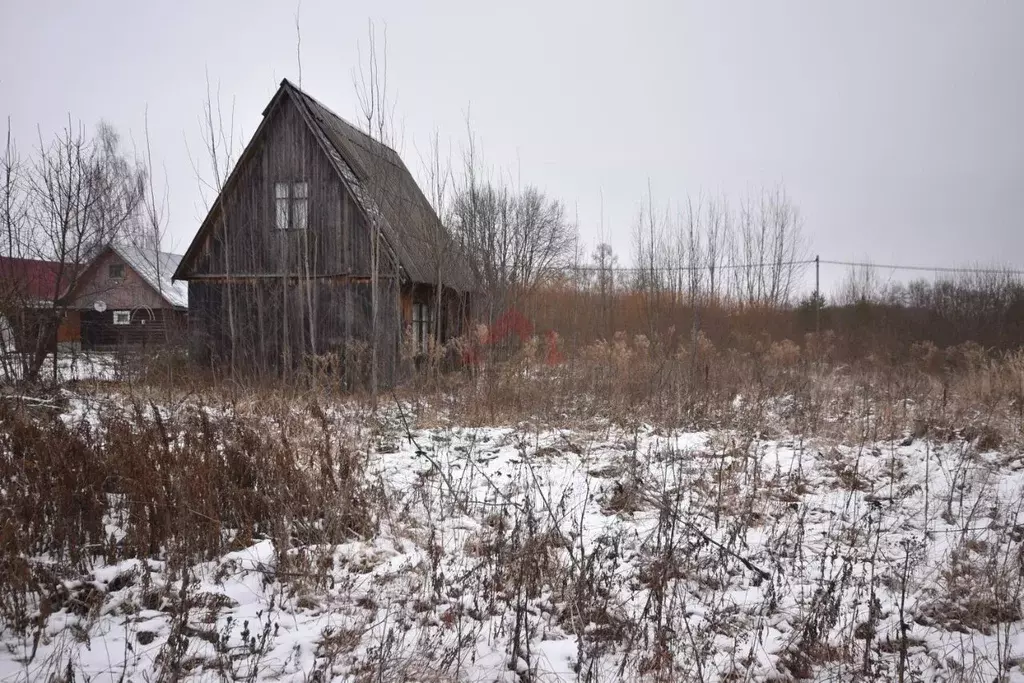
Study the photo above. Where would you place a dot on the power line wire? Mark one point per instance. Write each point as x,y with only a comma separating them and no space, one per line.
934,269
779,264
684,269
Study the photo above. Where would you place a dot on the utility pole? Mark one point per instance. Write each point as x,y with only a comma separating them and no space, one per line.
817,295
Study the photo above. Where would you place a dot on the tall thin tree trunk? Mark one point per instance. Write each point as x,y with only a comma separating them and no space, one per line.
374,306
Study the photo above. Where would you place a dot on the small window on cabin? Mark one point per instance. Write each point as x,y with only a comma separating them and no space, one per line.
422,321
116,271
291,211
122,317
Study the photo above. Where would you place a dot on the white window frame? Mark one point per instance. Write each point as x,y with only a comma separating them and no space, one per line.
110,271
291,205
122,317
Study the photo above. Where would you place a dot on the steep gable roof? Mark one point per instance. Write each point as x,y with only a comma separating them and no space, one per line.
155,268
384,190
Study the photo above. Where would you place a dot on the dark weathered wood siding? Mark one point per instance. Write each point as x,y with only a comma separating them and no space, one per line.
244,239
268,301
154,327
271,327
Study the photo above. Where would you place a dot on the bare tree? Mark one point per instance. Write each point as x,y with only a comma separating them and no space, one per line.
211,175
651,255
82,194
151,229
513,238
717,229
605,264
704,252
440,243
13,297
861,285
378,112
12,198
768,248
694,255
746,252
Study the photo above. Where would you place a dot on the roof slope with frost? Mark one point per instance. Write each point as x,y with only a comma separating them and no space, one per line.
156,268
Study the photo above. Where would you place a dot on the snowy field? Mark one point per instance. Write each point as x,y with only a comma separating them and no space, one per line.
599,553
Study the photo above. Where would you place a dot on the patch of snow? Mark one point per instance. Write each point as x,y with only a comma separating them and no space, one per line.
424,593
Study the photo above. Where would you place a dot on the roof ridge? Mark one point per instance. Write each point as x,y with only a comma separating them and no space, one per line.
117,243
355,127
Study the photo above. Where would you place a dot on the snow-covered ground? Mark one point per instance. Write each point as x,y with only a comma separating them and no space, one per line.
72,366
597,553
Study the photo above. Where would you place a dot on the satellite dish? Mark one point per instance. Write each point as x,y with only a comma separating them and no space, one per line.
100,306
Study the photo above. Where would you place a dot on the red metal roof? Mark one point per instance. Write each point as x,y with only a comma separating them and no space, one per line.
29,278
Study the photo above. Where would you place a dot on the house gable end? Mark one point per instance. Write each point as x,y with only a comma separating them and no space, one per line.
239,237
129,292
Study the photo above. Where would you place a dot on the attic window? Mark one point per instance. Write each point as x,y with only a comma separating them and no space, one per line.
290,206
116,271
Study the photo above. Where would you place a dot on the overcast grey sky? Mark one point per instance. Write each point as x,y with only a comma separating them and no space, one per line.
895,126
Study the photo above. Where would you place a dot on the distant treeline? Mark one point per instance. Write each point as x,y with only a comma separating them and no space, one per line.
861,319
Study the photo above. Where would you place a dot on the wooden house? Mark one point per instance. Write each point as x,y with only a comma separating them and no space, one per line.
281,273
125,297
29,289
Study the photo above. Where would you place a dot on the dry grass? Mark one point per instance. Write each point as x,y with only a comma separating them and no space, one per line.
186,474
183,484
631,379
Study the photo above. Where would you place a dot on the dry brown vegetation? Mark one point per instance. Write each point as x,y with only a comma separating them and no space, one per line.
860,483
